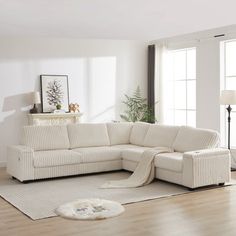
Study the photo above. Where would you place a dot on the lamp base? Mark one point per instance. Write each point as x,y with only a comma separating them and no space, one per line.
34,109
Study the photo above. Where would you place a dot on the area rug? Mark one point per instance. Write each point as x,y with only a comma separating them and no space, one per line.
39,199
90,209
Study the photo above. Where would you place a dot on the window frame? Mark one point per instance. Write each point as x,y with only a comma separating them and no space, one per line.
223,86
186,80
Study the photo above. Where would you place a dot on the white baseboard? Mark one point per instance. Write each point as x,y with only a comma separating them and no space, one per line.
3,164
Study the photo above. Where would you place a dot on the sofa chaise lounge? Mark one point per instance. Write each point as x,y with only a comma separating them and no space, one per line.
53,151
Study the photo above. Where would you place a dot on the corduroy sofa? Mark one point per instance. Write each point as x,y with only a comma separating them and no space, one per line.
53,151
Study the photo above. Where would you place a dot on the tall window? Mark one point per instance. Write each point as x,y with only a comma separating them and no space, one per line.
179,87
228,69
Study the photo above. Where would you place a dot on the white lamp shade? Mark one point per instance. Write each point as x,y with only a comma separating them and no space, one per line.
36,98
228,97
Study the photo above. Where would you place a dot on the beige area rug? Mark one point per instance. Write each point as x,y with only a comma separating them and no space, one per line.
39,199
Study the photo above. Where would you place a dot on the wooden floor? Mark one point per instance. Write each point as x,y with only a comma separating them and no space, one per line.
211,212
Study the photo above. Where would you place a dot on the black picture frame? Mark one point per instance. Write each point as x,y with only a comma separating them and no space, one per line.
45,81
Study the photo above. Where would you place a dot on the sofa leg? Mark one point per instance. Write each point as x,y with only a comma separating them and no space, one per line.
191,189
221,184
26,181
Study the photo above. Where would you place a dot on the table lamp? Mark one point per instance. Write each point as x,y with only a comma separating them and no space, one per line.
36,100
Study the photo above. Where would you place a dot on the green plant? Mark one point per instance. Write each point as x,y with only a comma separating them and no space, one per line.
58,106
137,108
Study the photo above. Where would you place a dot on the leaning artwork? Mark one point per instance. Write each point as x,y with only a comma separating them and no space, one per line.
54,92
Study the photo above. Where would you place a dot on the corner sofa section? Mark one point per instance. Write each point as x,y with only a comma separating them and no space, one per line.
53,151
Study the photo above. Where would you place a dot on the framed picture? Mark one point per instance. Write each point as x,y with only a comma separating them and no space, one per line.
54,92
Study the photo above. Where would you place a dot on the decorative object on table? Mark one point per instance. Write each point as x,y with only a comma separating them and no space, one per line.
90,209
59,111
137,108
54,91
74,107
36,100
228,97
58,106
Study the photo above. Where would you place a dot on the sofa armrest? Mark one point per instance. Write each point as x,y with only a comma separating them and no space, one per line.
206,167
20,162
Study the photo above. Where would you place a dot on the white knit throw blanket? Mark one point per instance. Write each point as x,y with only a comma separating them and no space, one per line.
144,172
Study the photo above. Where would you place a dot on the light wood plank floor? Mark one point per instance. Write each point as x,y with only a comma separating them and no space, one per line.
211,212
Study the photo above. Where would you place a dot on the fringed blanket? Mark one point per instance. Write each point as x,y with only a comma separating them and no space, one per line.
144,172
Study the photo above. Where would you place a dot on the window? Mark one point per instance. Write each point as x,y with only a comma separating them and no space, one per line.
179,87
228,70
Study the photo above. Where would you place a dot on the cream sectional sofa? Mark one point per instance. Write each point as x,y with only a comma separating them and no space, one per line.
53,151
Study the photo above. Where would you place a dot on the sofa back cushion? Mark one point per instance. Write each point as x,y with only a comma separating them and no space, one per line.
138,133
45,137
191,139
119,133
88,135
160,135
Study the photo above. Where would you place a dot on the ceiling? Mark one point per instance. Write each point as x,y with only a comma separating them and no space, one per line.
113,19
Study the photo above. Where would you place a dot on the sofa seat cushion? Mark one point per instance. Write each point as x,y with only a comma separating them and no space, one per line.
133,154
192,139
88,135
99,154
42,138
119,133
170,161
56,158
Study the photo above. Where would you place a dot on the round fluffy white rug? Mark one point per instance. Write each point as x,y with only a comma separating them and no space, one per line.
90,209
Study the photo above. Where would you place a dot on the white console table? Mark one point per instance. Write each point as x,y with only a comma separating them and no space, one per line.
54,119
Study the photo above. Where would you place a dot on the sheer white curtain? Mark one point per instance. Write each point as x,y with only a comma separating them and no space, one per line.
161,73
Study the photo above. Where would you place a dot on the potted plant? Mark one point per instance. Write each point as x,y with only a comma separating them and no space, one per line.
137,108
58,106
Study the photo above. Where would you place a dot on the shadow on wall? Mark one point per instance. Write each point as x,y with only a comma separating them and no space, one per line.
13,116
104,116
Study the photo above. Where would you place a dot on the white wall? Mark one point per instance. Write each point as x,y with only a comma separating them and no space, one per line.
208,85
90,65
